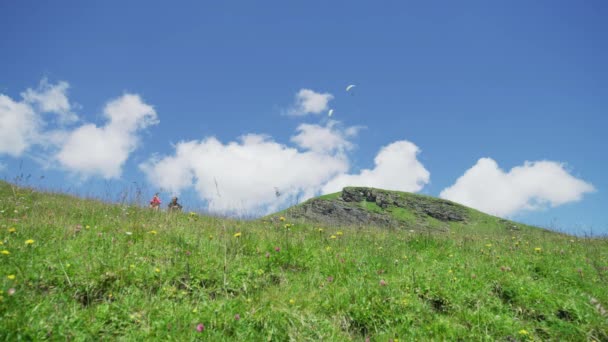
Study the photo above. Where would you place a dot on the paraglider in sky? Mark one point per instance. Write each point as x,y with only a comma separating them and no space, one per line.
277,193
350,86
331,111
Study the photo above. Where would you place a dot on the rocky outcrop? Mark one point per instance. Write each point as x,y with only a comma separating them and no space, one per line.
339,212
421,205
348,209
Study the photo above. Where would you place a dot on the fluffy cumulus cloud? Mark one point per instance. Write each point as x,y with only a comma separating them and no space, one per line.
396,168
51,98
23,123
324,139
19,126
240,177
310,102
90,150
532,186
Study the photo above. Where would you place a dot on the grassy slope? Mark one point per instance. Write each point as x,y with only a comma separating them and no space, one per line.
176,271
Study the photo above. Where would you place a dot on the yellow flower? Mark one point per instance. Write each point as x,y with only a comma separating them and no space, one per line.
5,252
523,332
320,230
292,301
449,271
537,249
132,266
87,227
328,248
12,230
210,237
11,277
281,218
236,235
339,233
332,237
489,245
153,232
157,270
29,242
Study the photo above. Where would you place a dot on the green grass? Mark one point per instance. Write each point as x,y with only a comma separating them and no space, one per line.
97,271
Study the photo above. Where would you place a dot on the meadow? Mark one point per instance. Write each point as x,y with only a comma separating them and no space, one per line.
76,269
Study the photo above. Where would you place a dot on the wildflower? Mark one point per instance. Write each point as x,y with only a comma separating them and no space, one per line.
328,248
200,327
132,266
87,227
523,332
210,237
332,237
320,230
157,270
267,255
292,301
5,252
128,233
339,233
282,219
153,232
537,249
449,271
330,279
383,282
278,249
237,317
29,242
11,291
489,245
11,277
236,235
12,230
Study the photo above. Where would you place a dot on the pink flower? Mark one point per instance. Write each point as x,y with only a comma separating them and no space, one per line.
237,317
382,282
200,327
278,249
330,279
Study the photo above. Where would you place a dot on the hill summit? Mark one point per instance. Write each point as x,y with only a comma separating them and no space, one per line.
364,206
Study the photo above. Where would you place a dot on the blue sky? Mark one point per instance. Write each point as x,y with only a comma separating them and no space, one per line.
439,86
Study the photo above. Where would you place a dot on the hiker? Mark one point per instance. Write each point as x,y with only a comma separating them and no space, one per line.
155,202
174,206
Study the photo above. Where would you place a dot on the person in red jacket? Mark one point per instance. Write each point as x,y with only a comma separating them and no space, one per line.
155,202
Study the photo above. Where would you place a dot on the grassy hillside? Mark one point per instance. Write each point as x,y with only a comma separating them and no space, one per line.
77,269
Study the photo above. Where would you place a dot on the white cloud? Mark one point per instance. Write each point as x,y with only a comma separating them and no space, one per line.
2,167
49,98
310,102
22,124
325,139
90,150
247,172
532,186
19,126
396,168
